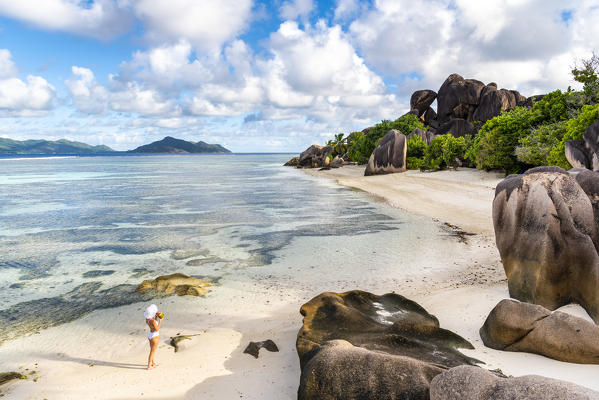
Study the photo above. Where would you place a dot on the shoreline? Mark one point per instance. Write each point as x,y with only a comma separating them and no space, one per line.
103,354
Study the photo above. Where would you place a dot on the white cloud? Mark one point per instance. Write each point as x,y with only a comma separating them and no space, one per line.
132,97
293,9
101,19
87,94
7,66
346,8
18,98
516,43
207,24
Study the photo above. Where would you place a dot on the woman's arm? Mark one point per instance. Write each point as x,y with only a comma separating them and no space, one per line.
157,324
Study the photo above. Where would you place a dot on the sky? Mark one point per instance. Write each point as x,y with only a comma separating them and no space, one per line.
265,76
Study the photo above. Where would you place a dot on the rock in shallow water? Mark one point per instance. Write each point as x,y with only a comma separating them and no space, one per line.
179,284
516,326
474,383
362,346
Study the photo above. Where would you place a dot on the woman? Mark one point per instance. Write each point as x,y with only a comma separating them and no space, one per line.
154,320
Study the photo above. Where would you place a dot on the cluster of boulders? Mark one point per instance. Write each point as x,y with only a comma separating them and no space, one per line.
463,105
357,345
585,153
317,156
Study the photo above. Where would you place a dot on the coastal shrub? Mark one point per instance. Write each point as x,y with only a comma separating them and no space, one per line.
495,142
362,147
587,72
414,162
574,130
357,148
535,148
416,147
552,107
339,145
445,151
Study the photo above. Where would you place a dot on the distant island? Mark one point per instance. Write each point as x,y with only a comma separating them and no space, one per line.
68,147
172,145
63,146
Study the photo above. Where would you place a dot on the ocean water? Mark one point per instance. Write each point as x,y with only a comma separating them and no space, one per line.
79,234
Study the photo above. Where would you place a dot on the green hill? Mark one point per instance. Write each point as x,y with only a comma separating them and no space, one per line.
63,146
172,145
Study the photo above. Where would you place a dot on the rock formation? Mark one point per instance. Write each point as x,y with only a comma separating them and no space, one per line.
585,153
427,136
292,163
357,345
342,371
253,348
547,236
421,101
179,284
389,156
516,326
315,156
461,103
474,383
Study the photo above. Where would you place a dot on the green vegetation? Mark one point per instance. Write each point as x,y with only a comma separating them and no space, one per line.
514,141
445,151
339,145
361,145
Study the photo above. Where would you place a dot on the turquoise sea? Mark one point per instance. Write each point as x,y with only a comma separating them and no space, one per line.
79,233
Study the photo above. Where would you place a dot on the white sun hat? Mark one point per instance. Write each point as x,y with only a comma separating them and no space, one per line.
151,311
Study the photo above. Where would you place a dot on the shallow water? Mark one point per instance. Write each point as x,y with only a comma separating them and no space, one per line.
66,224
78,234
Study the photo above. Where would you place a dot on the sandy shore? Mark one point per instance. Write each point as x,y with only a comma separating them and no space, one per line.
102,356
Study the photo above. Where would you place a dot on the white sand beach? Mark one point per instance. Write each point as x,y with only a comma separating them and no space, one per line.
103,355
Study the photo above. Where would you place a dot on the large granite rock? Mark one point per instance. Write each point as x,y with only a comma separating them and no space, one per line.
458,127
342,371
389,156
357,345
315,156
458,97
577,154
546,233
421,100
516,326
179,284
429,117
585,153
493,102
589,182
292,163
474,383
427,136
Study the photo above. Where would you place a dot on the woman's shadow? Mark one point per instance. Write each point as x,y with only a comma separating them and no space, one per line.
90,361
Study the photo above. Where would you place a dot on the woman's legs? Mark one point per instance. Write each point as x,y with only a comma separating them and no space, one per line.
153,346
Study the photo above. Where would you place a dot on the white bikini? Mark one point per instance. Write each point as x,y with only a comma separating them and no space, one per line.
153,334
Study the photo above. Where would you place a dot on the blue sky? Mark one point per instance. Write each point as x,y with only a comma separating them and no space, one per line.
265,76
